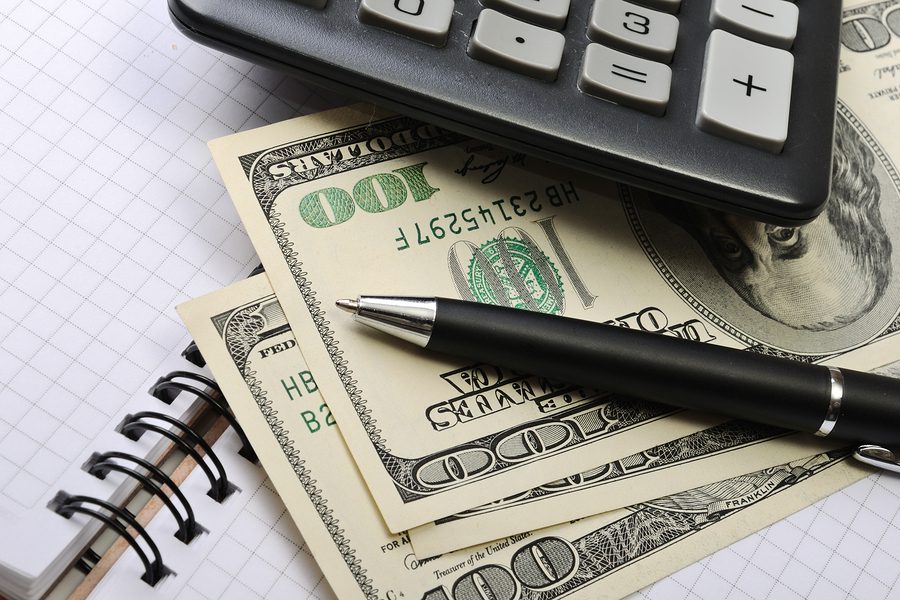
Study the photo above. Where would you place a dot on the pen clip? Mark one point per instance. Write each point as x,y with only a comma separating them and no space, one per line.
878,456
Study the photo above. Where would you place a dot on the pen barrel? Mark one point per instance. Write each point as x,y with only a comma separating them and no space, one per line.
870,410
657,367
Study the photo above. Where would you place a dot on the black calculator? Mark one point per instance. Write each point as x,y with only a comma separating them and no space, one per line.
725,103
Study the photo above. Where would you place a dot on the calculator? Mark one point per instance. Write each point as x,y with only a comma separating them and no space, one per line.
725,103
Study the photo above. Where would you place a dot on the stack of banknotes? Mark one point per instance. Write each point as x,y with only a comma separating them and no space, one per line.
423,476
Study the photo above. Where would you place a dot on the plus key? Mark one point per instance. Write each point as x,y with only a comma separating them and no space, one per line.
737,99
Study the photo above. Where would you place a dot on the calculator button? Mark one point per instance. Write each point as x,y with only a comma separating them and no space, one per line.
548,13
516,45
625,79
771,22
633,28
425,20
745,93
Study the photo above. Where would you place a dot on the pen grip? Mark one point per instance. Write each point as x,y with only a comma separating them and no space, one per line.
655,367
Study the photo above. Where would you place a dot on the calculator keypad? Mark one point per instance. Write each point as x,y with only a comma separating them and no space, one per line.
547,13
632,28
771,22
626,79
516,45
425,20
745,93
747,75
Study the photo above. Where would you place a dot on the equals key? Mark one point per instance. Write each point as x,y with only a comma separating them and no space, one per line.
625,79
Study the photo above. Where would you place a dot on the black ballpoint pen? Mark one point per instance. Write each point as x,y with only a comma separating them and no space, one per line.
827,401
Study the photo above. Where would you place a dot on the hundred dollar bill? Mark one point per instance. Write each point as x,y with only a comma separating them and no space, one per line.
243,334
869,80
432,435
358,201
700,458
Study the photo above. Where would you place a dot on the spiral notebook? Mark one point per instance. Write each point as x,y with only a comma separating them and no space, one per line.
252,548
110,214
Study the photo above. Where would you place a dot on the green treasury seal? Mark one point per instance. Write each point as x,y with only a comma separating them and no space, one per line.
511,272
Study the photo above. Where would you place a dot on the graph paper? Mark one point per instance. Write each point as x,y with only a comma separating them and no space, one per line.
111,213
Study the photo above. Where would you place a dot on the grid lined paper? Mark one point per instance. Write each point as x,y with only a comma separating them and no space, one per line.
111,212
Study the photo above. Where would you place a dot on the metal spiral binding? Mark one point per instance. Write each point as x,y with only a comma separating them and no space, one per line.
88,561
67,505
134,426
100,464
153,478
167,389
193,356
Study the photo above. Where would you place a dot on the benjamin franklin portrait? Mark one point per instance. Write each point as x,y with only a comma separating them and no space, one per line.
820,287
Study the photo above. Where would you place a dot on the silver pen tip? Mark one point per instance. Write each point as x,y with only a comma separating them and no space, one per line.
351,306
